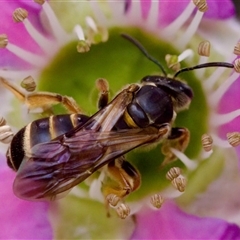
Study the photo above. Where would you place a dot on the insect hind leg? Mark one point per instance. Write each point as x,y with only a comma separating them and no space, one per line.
122,179
44,100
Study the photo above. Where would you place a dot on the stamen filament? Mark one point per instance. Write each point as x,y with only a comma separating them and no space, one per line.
192,28
200,73
173,27
186,161
152,19
185,54
79,31
220,142
98,13
210,82
135,11
90,22
57,30
26,56
38,37
222,89
16,74
117,8
220,119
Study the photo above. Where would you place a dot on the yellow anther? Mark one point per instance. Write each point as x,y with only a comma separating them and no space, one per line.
204,48
123,210
41,2
236,50
201,5
112,200
157,200
29,84
179,183
83,46
233,138
19,15
237,65
207,142
173,173
6,134
3,40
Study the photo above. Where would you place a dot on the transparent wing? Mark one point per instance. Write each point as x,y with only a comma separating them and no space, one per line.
55,167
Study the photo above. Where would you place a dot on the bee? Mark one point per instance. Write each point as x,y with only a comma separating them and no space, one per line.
54,154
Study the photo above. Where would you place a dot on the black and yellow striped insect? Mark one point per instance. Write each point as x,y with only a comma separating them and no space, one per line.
54,154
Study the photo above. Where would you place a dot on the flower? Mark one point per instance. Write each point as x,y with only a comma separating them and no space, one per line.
16,212
48,53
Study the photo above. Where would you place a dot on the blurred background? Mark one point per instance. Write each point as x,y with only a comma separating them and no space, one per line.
237,5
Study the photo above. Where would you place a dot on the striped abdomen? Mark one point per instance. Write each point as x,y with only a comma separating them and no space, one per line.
39,131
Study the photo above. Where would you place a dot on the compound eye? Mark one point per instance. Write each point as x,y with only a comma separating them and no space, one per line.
187,91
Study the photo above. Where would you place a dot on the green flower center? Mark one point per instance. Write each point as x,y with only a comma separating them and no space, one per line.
118,61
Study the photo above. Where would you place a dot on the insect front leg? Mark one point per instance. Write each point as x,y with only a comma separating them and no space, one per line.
44,100
122,179
178,139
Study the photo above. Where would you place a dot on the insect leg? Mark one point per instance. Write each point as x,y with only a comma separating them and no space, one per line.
178,139
103,88
42,100
122,179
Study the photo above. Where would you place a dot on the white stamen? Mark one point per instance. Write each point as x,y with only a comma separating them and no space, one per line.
38,37
186,161
220,142
17,74
218,94
79,31
185,54
171,193
152,19
91,23
220,119
26,56
134,11
78,192
173,27
192,28
57,30
95,188
98,13
117,10
211,81
204,155
200,72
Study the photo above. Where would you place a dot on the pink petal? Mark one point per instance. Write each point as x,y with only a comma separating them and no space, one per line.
16,31
172,223
20,219
170,10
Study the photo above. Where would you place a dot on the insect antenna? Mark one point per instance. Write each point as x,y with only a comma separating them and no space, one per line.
144,51
204,65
